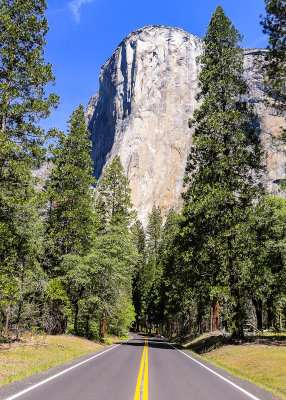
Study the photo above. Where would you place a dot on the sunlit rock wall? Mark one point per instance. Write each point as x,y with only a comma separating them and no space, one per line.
146,96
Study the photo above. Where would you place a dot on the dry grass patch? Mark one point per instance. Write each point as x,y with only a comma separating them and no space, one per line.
38,353
261,364
260,359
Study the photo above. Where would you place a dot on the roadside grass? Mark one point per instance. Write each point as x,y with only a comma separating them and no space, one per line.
114,339
259,359
40,352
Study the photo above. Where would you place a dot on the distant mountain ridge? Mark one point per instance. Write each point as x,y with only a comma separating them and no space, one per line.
146,96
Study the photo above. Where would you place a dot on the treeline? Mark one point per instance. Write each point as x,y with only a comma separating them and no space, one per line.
75,259
221,262
69,267
182,288
66,257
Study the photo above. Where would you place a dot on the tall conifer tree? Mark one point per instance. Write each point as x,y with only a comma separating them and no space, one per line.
23,102
114,250
138,284
223,171
70,220
151,273
114,202
70,217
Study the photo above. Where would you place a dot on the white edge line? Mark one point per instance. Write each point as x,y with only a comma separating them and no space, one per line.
215,373
15,396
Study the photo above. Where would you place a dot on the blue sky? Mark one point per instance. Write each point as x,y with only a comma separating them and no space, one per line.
84,33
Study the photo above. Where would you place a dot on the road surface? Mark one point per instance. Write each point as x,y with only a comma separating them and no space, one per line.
142,368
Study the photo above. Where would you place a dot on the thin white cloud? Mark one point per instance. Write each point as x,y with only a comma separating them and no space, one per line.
75,7
260,41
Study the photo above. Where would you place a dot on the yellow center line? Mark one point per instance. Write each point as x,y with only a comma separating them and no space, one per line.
145,381
143,372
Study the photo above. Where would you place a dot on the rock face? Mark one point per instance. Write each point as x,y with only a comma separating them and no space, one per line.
146,96
270,122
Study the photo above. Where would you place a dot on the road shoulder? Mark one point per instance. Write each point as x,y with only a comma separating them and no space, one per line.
245,384
17,386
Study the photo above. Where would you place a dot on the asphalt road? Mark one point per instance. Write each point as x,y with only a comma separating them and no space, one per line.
139,369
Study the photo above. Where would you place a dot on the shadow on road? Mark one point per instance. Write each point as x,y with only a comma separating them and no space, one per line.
152,342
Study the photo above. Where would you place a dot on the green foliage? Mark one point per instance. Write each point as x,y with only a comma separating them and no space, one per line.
113,203
268,267
139,240
223,172
121,317
151,271
114,257
114,251
274,68
23,77
167,294
70,218
74,257
57,306
23,73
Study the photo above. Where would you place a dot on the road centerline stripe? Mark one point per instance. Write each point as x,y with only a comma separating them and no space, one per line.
141,392
217,374
138,386
145,381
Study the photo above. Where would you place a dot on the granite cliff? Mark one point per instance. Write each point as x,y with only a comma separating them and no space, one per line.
146,96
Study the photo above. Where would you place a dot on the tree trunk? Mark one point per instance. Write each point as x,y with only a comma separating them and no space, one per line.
137,324
7,322
270,313
87,326
199,323
19,311
60,325
215,315
75,324
258,305
77,310
3,123
200,313
103,323
238,317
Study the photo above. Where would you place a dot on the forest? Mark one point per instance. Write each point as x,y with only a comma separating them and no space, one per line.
74,258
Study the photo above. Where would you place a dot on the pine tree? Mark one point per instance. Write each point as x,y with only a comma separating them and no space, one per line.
24,73
223,172
20,251
137,284
268,255
154,232
23,77
114,202
70,219
165,302
113,250
150,275
274,68
112,260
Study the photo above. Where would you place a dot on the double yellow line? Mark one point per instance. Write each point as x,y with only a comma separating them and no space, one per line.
141,392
